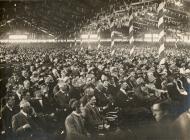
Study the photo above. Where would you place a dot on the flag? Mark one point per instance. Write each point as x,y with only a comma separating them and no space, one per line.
162,61
131,40
161,34
130,29
99,46
161,20
113,52
99,30
161,6
176,44
75,41
161,49
132,50
112,43
112,34
130,18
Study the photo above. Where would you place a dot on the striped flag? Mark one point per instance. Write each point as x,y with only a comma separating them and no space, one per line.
75,41
161,6
99,46
161,49
99,41
112,43
112,39
113,52
162,40
176,44
132,50
130,29
131,40
81,41
161,20
130,18
161,34
112,34
162,61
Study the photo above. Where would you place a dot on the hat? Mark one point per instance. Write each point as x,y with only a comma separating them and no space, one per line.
73,103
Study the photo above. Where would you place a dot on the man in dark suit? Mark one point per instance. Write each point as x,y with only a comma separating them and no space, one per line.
92,115
7,114
122,97
62,98
74,123
23,123
40,103
18,97
103,96
44,110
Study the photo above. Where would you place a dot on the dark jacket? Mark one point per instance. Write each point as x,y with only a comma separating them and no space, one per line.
18,121
7,115
92,117
75,128
103,98
62,99
122,99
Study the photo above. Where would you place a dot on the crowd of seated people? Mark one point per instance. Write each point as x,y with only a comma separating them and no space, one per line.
55,92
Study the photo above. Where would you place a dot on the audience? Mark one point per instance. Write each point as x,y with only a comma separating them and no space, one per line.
56,92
